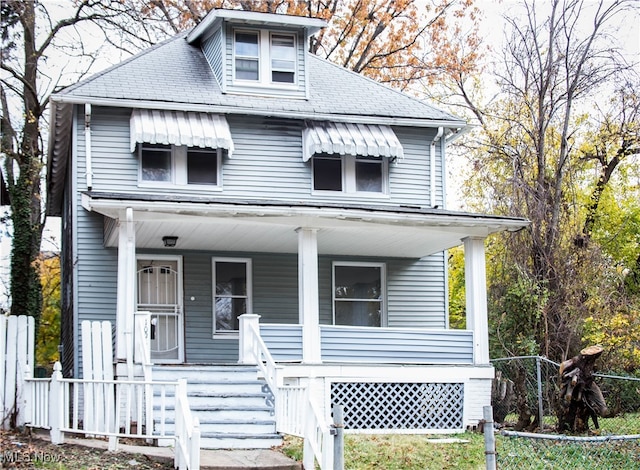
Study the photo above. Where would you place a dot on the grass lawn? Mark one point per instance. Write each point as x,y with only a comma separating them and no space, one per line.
405,452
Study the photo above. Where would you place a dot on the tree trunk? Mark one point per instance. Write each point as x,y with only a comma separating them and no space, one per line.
581,397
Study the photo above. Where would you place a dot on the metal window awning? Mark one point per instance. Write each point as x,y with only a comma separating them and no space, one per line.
369,140
192,129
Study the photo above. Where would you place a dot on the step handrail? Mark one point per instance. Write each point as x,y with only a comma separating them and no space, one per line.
318,441
187,431
263,358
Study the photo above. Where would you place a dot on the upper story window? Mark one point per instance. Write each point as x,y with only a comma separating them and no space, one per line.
265,57
350,174
247,49
179,165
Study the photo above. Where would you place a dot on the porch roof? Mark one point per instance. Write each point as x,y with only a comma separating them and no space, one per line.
269,226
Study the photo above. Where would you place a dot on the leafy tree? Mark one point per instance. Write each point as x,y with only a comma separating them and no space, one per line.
530,158
457,298
48,337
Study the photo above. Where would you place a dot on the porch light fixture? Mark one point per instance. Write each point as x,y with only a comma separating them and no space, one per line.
169,241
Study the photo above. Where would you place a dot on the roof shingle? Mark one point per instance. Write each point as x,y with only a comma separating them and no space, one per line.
178,73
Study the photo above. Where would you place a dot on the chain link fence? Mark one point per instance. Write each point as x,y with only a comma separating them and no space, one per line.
526,398
523,451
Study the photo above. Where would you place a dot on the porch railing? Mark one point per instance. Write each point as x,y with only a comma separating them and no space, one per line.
340,343
121,417
318,438
296,410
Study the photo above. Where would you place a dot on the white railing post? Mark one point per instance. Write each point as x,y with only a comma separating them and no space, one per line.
249,322
194,448
56,410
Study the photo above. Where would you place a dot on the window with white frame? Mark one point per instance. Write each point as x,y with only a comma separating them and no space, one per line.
179,165
264,57
359,294
232,292
350,174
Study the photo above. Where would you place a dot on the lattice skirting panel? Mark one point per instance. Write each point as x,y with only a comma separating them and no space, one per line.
400,405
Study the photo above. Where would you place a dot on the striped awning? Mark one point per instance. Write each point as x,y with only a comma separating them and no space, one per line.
180,128
369,140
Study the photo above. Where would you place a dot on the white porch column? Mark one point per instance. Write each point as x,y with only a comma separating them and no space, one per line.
126,302
308,293
476,297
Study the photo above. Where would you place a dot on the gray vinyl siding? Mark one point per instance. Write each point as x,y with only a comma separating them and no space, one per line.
284,342
115,168
275,299
416,295
396,346
267,161
96,267
212,49
97,274
266,164
409,177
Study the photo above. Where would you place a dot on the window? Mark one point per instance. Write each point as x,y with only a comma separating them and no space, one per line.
283,58
199,167
358,294
232,292
350,174
179,165
265,58
155,161
247,52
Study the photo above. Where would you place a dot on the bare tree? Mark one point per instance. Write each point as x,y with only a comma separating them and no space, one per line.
528,156
38,41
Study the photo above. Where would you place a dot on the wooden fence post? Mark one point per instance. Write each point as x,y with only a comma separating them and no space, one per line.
56,410
24,364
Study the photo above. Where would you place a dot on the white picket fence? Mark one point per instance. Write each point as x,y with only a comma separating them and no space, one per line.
17,335
95,405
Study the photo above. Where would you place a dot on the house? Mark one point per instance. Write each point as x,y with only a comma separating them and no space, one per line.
226,179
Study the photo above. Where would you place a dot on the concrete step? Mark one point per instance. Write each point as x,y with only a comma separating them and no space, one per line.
232,426
227,412
239,441
208,373
234,407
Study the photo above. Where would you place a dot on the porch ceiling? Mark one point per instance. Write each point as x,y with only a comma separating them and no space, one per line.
271,227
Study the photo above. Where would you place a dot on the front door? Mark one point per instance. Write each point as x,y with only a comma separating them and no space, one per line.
159,285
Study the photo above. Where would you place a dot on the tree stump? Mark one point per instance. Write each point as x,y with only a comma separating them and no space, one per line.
580,396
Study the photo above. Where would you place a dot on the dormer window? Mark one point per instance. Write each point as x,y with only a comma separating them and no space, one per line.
283,58
265,57
247,56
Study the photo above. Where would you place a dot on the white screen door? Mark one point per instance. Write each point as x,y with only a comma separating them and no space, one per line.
160,292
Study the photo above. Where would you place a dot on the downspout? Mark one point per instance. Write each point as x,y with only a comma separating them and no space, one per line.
87,145
432,167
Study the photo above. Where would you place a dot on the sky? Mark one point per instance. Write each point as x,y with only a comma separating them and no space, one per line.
492,29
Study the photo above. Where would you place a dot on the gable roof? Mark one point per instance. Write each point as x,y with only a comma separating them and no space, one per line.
175,75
